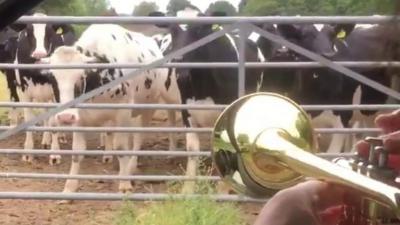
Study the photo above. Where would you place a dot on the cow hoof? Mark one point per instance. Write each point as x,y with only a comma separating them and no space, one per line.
188,189
107,159
126,188
27,158
64,202
55,160
45,146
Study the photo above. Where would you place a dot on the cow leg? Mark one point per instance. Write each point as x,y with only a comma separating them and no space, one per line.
143,121
338,140
62,138
13,116
46,139
172,123
55,144
108,145
192,144
29,144
102,140
78,143
121,142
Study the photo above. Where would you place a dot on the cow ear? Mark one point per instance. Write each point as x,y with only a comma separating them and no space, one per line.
17,27
341,31
62,28
89,59
159,14
289,31
44,61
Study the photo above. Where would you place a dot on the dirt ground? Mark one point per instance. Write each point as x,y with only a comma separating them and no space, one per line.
34,212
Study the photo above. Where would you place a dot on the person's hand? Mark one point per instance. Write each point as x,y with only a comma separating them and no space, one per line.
307,203
321,203
390,125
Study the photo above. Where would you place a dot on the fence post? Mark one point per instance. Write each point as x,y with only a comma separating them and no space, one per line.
243,32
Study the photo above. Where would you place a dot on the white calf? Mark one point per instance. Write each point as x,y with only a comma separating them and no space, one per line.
111,44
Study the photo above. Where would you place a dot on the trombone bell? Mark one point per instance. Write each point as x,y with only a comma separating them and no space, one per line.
265,142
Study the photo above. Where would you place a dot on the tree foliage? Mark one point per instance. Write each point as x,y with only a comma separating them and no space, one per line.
222,6
242,5
176,5
74,8
144,8
317,7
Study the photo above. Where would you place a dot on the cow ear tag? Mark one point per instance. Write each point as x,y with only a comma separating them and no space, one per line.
215,27
59,30
341,34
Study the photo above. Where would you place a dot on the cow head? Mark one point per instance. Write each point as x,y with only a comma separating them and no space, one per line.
69,84
314,37
185,34
8,44
40,40
8,49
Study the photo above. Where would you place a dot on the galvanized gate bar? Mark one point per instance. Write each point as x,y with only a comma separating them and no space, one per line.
182,153
119,197
111,84
242,59
353,64
104,106
174,129
52,176
328,63
91,152
206,20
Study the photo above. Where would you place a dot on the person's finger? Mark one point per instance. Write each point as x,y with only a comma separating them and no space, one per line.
332,216
392,142
389,122
362,148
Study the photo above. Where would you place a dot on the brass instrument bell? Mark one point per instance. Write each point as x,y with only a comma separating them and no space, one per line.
264,142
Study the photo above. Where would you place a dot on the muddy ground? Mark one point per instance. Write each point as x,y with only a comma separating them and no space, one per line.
35,212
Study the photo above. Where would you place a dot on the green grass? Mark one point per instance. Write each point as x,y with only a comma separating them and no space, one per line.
4,96
198,211
194,211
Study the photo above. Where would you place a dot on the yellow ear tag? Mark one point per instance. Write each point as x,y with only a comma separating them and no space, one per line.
215,27
59,30
341,34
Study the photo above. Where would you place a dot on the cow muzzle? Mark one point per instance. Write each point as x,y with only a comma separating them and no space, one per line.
66,118
39,54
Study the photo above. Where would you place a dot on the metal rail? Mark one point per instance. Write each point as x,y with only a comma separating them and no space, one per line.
174,129
119,197
52,176
353,64
181,153
101,106
207,20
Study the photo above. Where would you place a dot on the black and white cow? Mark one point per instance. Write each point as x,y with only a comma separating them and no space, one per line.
303,85
8,49
206,85
362,43
34,41
110,44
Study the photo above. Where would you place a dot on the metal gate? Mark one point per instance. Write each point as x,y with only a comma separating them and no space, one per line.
245,26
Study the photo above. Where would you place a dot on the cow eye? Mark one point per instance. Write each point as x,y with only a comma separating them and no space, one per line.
315,75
